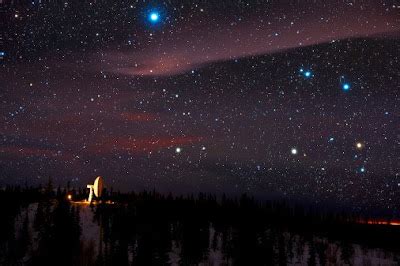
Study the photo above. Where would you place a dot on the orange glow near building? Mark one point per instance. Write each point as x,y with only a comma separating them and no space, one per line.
382,222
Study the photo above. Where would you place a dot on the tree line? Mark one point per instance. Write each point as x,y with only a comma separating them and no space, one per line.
41,226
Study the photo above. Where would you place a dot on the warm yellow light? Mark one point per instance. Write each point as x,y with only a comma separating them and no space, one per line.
69,197
359,145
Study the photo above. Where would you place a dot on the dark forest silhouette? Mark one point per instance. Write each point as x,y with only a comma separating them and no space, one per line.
143,228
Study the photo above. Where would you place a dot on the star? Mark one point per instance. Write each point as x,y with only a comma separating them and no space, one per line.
346,86
178,150
293,151
154,17
359,145
306,73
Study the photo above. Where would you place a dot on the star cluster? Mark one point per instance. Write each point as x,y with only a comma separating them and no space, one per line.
298,101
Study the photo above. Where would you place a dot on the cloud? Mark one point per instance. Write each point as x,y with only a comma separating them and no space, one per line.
21,151
139,145
138,117
192,48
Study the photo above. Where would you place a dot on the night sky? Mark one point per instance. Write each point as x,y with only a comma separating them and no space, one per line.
291,99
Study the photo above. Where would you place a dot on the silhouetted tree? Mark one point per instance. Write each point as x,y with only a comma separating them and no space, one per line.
24,239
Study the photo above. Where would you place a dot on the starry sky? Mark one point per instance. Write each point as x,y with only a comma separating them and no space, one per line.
287,99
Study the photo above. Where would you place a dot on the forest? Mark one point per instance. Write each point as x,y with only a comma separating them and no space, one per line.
54,226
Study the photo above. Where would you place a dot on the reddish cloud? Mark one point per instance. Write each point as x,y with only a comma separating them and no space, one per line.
21,151
187,51
139,117
139,145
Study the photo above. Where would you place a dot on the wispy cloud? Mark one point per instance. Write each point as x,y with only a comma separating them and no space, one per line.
189,50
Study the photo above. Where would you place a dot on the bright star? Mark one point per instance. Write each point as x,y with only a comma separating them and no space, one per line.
154,16
294,151
362,169
346,86
359,145
306,73
178,150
